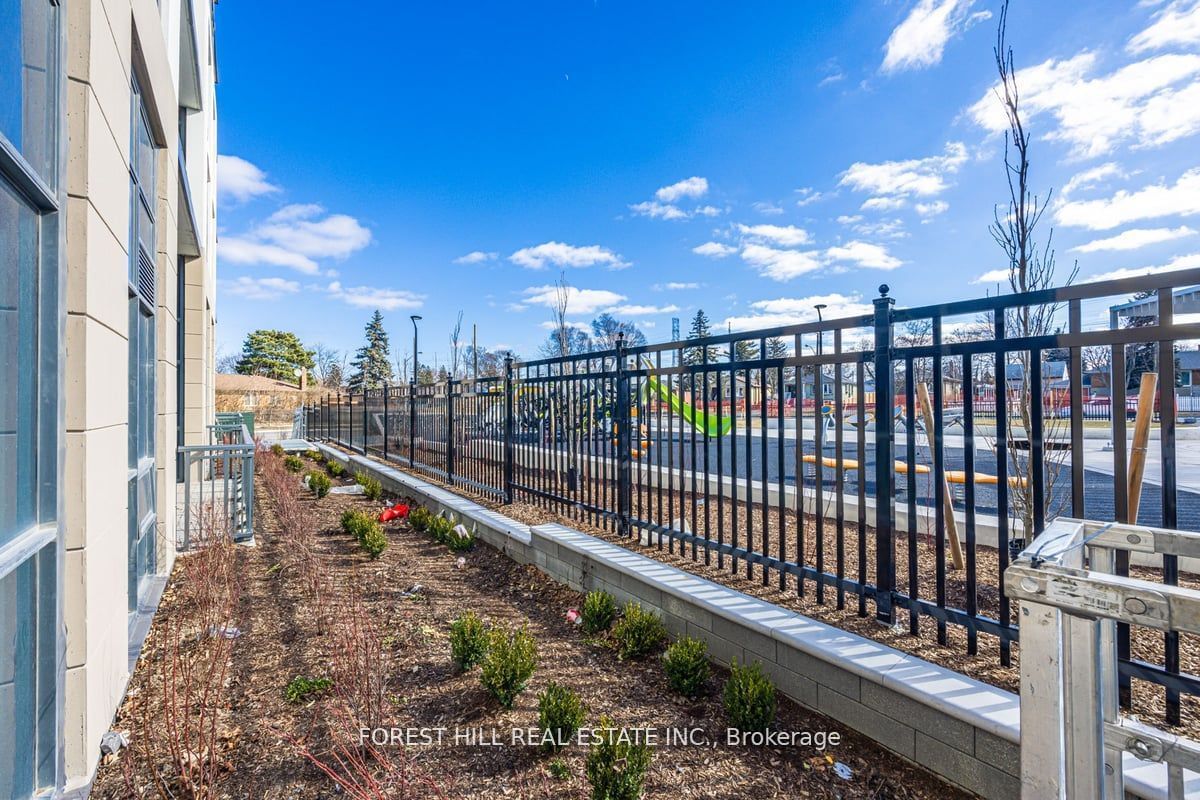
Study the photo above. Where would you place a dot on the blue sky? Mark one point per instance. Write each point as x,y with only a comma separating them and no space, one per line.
750,159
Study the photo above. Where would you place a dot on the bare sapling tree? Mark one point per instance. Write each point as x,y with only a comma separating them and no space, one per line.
1031,267
456,346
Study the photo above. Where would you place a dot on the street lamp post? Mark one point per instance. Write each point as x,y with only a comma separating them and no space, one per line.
416,360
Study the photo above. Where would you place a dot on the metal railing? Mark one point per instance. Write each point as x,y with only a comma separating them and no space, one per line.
841,459
1073,736
217,485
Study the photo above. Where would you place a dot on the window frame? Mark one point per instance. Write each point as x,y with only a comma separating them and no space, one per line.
39,546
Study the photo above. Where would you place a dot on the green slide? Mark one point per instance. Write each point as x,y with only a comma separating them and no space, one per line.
702,421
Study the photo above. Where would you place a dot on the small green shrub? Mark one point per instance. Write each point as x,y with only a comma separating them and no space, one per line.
749,698
277,449
439,529
357,523
560,713
599,610
509,664
617,763
335,468
468,640
372,489
559,769
293,463
374,540
319,483
419,518
686,665
459,542
638,631
314,455
301,689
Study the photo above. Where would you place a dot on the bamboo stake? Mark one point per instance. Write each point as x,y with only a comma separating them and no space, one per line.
1141,436
956,553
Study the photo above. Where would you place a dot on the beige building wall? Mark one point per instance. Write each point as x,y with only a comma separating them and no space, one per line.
108,42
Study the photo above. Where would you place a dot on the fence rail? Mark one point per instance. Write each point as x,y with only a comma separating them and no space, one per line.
854,460
216,484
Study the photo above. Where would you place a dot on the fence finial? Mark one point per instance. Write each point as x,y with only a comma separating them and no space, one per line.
884,289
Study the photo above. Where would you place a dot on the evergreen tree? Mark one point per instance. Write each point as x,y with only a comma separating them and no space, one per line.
275,354
373,362
746,350
777,347
700,329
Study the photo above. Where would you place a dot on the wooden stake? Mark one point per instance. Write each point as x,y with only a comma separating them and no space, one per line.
1141,436
956,553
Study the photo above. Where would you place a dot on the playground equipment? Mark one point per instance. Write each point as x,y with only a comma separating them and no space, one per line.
703,422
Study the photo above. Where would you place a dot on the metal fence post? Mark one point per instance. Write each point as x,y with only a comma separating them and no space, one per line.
450,431
508,429
624,443
365,421
339,416
885,549
412,423
385,421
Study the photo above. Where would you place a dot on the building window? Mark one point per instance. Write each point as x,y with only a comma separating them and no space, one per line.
142,317
29,418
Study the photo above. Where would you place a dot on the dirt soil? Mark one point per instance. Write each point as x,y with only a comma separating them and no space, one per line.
280,640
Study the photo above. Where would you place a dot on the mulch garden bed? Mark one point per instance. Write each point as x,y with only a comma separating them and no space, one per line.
413,591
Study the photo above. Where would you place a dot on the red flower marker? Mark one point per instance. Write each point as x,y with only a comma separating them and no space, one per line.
387,515
401,510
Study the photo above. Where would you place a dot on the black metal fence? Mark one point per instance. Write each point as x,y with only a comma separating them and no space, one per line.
844,458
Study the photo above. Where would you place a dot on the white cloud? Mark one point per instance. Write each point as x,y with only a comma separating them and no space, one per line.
689,187
783,235
781,265
1146,103
918,41
476,257
300,228
1091,177
370,297
579,301
656,210
666,202
883,203
674,286
1177,24
807,195
259,288
993,276
714,250
243,250
1191,261
931,209
558,254
634,310
768,209
864,254
1135,238
239,180
891,181
794,311
1157,200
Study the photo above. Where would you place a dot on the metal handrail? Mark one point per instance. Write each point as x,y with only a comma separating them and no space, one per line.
218,485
